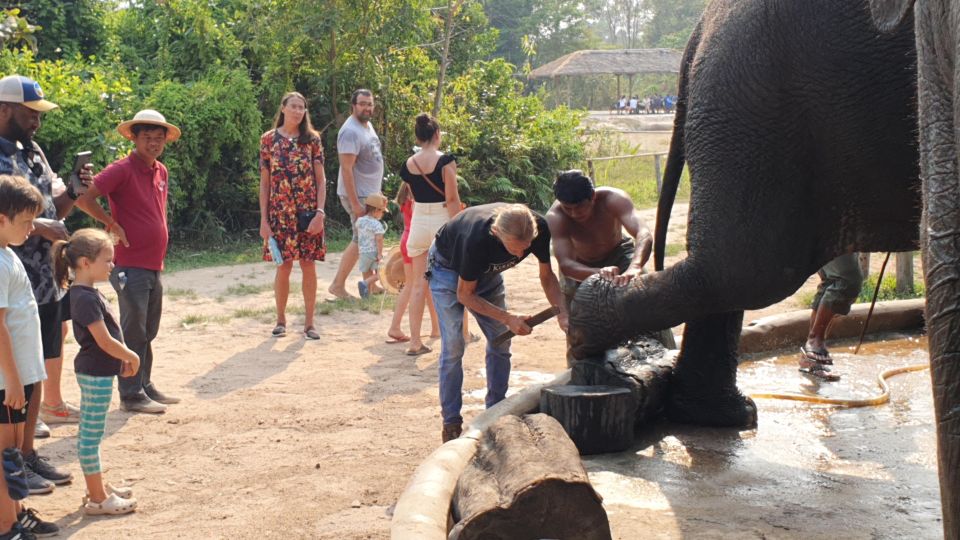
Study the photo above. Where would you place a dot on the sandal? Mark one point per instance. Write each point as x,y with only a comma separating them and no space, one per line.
417,352
810,367
311,333
122,492
820,356
279,330
112,505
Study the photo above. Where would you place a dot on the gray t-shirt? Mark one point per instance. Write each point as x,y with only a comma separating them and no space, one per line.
362,141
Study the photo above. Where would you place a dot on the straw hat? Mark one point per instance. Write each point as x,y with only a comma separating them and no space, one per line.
153,118
391,271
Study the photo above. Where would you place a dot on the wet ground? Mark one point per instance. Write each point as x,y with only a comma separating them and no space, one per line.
808,471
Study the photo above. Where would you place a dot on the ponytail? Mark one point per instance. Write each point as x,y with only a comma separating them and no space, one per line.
61,267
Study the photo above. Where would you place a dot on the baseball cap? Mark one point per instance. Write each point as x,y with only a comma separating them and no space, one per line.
376,200
20,89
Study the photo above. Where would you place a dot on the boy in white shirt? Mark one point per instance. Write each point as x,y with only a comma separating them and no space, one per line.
370,241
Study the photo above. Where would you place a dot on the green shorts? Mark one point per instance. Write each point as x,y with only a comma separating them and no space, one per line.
840,282
621,257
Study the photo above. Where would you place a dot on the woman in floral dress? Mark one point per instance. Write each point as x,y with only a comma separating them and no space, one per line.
292,196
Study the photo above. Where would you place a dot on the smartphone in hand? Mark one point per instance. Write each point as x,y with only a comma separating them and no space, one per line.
79,161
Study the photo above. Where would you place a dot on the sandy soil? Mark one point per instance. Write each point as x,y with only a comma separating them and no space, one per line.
281,438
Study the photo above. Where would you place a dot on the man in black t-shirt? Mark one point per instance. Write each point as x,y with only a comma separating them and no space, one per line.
466,260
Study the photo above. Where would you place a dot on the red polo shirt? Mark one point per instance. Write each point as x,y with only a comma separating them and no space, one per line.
137,194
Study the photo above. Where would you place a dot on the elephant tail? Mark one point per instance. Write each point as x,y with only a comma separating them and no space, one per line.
677,155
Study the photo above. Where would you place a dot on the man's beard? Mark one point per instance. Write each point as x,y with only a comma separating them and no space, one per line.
19,134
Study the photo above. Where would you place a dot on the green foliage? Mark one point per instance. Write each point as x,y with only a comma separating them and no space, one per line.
93,99
70,27
672,22
510,147
15,29
213,175
888,289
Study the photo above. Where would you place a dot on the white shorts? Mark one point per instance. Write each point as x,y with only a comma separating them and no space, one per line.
427,220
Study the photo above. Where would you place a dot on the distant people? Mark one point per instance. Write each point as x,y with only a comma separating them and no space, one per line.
622,104
432,176
395,334
136,189
89,255
840,283
21,345
370,231
466,260
633,105
22,106
361,175
293,193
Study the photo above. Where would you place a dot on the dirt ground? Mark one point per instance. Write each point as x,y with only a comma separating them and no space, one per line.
283,438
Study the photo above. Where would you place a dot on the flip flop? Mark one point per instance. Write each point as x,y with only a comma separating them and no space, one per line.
279,330
422,350
820,356
393,340
311,333
821,373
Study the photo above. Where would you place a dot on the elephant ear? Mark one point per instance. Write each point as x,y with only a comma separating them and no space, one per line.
888,14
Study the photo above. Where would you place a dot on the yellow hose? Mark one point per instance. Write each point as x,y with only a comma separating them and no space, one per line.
840,402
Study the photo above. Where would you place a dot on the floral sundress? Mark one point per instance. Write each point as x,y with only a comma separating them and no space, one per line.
293,188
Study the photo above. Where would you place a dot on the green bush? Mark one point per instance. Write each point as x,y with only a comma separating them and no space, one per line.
509,146
888,289
214,179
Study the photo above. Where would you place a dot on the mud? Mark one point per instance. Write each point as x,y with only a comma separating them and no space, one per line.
807,471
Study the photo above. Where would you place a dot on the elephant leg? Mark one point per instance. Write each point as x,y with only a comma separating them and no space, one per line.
940,236
703,387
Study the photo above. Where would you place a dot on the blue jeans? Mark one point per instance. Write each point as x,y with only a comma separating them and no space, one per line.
443,286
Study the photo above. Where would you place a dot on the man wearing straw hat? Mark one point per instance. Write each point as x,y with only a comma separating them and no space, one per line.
136,190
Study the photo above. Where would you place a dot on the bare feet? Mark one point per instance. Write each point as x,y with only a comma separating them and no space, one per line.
340,293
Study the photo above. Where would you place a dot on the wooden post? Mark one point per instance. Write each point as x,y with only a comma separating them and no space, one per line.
599,419
618,94
864,259
905,273
590,171
656,171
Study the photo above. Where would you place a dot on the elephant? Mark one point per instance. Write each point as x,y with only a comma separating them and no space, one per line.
798,121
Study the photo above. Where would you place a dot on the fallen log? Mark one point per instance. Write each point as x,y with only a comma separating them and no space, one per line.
526,481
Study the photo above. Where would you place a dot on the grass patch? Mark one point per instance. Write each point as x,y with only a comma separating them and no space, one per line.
244,289
253,313
197,319
174,293
888,291
370,305
188,256
675,249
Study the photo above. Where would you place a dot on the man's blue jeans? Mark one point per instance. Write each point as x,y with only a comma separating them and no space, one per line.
443,286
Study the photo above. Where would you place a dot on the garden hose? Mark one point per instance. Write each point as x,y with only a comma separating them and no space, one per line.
849,403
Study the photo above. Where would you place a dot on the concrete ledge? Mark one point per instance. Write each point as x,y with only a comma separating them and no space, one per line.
790,329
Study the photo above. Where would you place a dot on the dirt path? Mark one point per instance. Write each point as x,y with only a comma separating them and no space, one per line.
280,438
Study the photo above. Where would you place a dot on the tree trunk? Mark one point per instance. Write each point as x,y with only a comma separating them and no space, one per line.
905,273
599,419
526,481
452,8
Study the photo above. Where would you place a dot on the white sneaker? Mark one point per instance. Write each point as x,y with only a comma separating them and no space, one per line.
63,414
42,431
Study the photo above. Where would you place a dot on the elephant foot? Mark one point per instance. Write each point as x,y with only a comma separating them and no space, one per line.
729,410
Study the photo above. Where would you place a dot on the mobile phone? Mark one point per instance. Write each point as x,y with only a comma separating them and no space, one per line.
79,161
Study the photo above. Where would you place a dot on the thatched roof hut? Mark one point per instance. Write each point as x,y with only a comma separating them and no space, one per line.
611,62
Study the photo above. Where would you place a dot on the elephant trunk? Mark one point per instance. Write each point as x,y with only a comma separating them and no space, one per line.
603,315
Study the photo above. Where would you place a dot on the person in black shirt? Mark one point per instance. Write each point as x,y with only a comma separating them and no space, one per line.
466,260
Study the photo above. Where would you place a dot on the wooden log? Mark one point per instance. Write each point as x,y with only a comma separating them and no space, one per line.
599,419
526,481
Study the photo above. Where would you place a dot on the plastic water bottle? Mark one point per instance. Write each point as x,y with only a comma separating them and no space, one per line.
275,252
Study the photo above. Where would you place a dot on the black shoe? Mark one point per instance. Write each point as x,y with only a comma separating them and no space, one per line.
159,396
451,432
31,522
36,484
18,533
43,468
142,404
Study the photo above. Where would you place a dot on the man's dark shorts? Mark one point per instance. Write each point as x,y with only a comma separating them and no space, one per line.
51,329
14,416
621,257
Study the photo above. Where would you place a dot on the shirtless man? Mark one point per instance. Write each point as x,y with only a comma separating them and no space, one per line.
586,226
